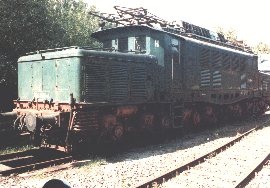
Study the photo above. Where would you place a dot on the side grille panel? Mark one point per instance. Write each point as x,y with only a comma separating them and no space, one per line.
95,87
217,65
87,120
205,68
119,83
138,84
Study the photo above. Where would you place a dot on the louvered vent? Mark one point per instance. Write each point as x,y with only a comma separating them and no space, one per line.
95,82
205,68
226,62
87,120
217,64
266,85
243,72
235,63
119,83
138,84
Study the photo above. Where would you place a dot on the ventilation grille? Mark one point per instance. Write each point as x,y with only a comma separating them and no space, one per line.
87,120
235,65
217,65
226,62
205,68
95,82
138,84
119,83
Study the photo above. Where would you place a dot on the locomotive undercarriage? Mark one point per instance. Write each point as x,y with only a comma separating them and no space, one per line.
202,113
63,124
69,125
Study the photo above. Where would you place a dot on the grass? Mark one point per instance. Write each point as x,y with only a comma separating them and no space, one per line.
13,149
91,162
11,141
219,133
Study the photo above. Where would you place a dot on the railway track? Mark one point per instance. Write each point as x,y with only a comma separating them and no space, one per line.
29,160
213,169
261,178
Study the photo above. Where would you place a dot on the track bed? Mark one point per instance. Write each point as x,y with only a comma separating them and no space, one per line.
31,160
136,165
231,168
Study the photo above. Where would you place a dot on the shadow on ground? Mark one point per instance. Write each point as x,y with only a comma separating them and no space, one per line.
151,145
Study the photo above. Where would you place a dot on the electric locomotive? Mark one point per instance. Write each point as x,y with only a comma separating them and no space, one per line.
148,76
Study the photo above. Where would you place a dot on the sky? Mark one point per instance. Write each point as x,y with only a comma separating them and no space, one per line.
250,19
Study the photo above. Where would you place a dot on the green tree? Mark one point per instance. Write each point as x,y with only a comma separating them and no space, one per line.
73,23
31,25
229,33
24,27
261,48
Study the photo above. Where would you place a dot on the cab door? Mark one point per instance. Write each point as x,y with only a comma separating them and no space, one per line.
177,73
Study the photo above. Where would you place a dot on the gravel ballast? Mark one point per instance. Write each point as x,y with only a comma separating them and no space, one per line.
136,165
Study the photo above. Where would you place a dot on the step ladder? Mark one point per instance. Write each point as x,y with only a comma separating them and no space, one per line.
177,114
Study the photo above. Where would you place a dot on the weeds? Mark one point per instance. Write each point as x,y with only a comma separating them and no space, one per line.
39,176
219,133
16,149
11,142
92,162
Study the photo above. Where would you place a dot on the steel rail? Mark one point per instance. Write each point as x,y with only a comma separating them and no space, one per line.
21,157
172,173
249,175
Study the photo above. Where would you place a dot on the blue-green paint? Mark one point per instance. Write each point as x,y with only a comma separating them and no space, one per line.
54,77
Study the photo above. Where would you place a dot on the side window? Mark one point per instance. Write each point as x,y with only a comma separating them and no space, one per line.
176,50
123,44
107,44
140,43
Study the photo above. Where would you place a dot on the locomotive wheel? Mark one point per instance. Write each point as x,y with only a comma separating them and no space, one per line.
263,106
213,118
197,118
210,115
165,122
118,132
237,111
187,117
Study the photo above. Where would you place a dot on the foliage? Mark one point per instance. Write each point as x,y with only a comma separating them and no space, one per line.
72,23
261,48
229,33
30,25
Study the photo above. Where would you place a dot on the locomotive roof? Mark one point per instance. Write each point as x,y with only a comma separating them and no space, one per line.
104,34
142,18
75,51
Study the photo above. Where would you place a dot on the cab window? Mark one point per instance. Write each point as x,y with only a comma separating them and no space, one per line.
123,44
107,44
140,43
